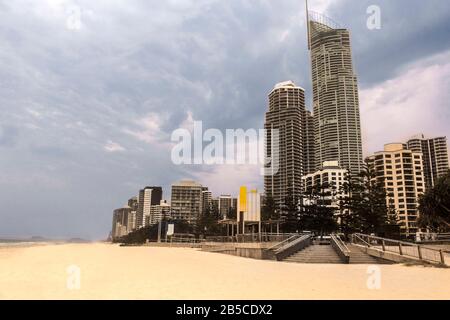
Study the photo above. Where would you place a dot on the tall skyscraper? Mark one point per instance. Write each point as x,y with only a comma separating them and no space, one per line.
435,157
133,203
187,201
309,165
206,199
286,115
149,196
401,171
337,122
123,220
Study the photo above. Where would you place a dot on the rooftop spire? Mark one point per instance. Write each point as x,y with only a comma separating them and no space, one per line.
307,26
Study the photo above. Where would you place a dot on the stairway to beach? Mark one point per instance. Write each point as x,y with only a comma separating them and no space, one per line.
316,253
324,253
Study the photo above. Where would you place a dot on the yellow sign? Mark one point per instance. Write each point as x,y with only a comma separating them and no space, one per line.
243,199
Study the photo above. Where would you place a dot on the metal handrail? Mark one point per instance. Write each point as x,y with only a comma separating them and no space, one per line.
290,248
280,244
299,239
342,246
357,236
255,237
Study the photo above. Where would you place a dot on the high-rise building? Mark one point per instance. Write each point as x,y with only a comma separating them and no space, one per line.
159,212
286,116
309,165
206,199
329,179
226,204
187,204
215,204
133,203
401,171
435,157
149,196
122,222
337,125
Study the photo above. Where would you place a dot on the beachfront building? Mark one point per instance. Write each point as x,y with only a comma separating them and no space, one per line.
226,204
435,157
133,203
337,125
160,212
149,196
206,199
284,123
187,202
324,187
123,222
309,165
215,204
401,171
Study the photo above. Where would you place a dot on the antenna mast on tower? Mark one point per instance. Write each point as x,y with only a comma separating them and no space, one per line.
308,26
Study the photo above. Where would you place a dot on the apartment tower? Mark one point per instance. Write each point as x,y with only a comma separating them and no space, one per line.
309,165
435,157
286,116
187,202
331,178
401,171
149,196
337,125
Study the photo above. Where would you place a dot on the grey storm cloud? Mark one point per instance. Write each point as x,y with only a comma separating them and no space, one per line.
87,109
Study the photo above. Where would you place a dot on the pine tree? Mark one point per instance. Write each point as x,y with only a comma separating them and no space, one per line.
290,213
208,224
316,214
269,211
364,209
434,206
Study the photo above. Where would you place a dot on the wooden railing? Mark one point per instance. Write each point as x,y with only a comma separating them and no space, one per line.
433,237
405,249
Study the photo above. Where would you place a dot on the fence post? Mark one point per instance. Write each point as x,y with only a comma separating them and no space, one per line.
400,248
419,249
442,256
384,245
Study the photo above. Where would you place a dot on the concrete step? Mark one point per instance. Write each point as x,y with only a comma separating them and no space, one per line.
316,254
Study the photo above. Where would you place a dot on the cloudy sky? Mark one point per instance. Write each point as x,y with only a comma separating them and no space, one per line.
92,90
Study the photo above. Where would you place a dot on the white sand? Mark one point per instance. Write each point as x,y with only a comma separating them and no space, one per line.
112,272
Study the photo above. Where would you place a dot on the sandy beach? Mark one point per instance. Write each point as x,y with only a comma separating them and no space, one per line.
111,272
